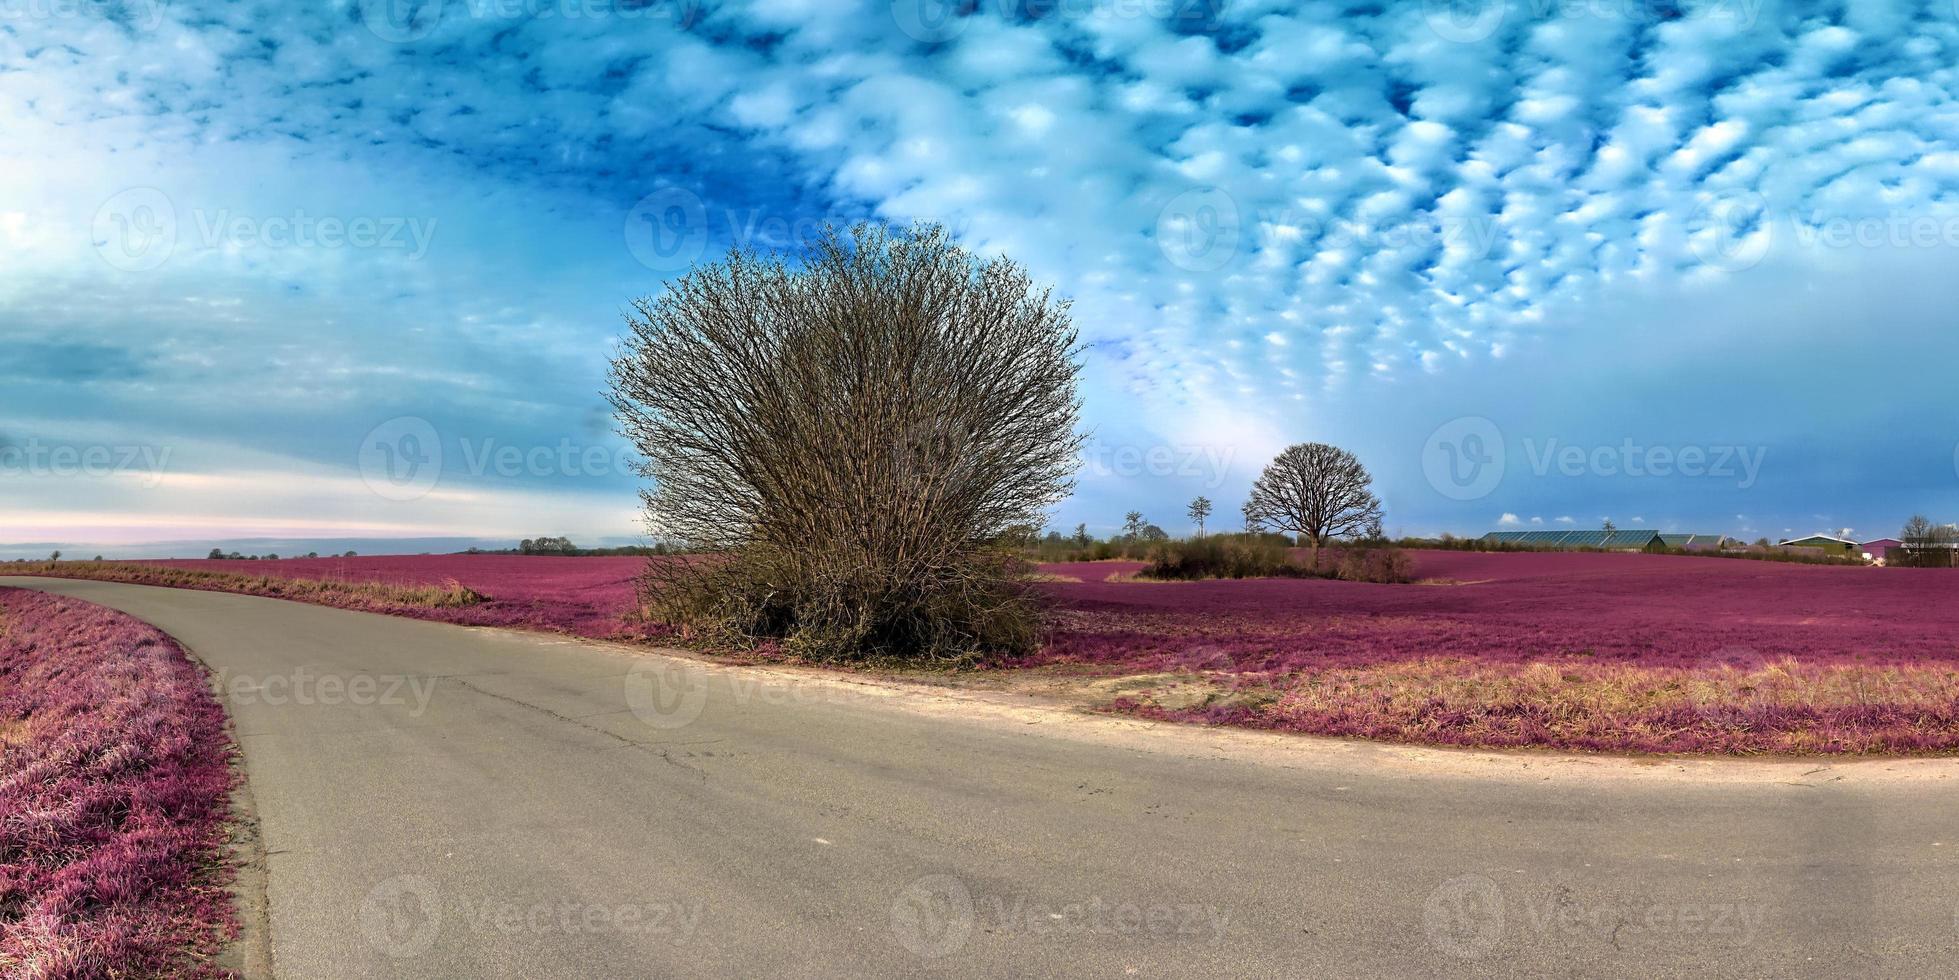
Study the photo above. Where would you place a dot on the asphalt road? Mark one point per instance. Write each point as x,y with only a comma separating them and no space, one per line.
440,801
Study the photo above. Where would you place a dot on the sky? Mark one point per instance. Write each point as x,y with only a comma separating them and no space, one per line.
354,271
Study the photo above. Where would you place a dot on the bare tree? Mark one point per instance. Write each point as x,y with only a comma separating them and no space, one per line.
1200,508
1925,544
1132,524
852,432
1317,491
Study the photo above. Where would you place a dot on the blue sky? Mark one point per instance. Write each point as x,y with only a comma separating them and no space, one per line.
355,270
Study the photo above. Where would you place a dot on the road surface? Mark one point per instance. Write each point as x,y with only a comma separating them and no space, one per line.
441,801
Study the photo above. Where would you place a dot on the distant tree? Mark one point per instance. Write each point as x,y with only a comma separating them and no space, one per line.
98,557
351,554
55,557
1318,492
312,554
1609,525
1925,544
1200,509
271,557
217,554
1082,540
1132,524
1251,518
1020,536
1153,534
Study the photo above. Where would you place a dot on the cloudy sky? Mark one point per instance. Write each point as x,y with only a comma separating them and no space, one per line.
354,270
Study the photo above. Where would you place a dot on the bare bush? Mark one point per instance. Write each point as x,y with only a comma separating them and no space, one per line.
852,435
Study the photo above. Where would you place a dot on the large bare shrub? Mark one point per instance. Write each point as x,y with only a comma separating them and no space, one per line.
849,436
1316,491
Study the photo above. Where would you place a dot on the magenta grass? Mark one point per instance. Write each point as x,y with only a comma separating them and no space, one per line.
115,785
1648,610
1646,653
1632,653
589,597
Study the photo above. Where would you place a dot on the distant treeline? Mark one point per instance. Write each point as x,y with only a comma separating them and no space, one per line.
563,547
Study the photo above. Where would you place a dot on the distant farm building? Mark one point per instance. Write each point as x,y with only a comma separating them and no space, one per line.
1574,540
1880,549
1828,544
1696,542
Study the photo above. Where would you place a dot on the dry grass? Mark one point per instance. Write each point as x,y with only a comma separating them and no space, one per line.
1780,708
372,596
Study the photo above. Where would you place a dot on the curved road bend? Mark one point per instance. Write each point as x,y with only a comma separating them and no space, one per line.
441,801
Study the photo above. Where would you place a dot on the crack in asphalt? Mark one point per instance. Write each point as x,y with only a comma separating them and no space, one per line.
660,749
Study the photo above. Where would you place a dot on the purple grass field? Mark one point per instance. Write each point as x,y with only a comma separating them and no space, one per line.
115,785
1622,652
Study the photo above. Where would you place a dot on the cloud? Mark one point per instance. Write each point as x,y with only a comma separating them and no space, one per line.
1272,220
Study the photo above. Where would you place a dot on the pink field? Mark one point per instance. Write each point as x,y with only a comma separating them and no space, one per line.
583,596
115,786
1645,653
1649,610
